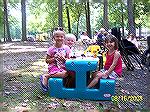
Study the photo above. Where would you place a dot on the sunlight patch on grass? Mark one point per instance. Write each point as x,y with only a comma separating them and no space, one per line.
26,72
39,66
32,71
40,63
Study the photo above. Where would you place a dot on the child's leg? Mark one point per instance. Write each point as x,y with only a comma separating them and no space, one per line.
93,75
58,74
53,71
95,80
69,81
45,79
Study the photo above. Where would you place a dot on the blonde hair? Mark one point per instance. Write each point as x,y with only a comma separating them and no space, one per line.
69,35
58,31
102,30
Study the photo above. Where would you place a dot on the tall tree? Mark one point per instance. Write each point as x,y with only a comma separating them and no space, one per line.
23,10
6,23
122,19
76,10
87,12
1,20
105,16
131,23
68,17
60,15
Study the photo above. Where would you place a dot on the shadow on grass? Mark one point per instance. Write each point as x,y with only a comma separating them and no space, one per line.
21,77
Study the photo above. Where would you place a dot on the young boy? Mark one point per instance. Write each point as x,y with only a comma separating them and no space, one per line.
70,40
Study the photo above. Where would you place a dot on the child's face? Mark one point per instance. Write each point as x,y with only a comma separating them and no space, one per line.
110,44
70,41
59,37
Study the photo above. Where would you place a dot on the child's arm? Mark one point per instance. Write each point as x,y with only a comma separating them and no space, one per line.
49,59
116,57
62,57
67,56
68,51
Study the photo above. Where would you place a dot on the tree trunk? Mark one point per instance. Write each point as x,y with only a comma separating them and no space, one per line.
60,15
68,18
140,30
77,33
131,23
23,10
4,30
122,20
105,16
6,23
87,12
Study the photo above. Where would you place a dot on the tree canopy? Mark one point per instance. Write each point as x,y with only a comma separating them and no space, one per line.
42,15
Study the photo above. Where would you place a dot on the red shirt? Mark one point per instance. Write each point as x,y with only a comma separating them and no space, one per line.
109,61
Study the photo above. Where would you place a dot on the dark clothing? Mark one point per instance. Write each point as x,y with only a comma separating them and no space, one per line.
116,32
148,42
146,57
99,39
147,52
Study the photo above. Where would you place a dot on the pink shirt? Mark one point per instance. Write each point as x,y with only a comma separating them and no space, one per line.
64,50
109,61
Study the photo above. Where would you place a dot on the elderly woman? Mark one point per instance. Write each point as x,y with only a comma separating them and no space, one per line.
133,39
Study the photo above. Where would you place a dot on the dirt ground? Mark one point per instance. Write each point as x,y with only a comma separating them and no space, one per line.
22,63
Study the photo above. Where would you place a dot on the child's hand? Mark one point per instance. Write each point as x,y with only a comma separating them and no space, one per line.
61,57
104,75
99,74
56,55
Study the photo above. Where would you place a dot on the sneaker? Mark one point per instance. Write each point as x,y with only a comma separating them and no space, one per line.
44,88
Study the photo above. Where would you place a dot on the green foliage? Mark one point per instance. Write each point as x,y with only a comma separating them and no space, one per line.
76,11
116,11
43,15
141,10
147,21
14,1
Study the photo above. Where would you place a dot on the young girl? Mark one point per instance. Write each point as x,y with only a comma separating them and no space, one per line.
56,57
113,65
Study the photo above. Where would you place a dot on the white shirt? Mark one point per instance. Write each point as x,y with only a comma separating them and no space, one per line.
134,41
83,37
